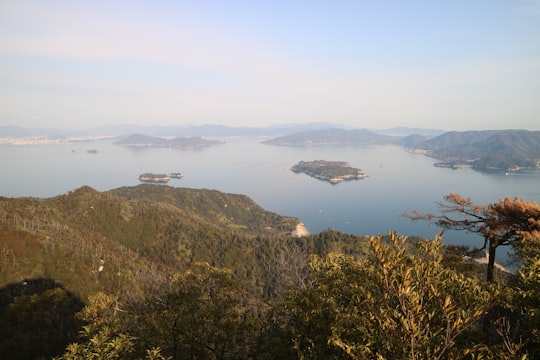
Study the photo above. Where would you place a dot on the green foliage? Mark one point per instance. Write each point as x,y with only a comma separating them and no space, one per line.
528,293
224,210
392,305
139,240
37,318
143,234
333,171
182,273
510,222
99,344
204,314
518,325
105,335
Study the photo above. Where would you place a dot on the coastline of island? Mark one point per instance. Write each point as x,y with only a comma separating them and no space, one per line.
334,172
159,178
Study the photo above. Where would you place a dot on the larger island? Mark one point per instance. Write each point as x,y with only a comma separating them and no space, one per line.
141,141
331,171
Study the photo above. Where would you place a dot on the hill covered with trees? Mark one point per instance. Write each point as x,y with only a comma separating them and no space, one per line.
159,272
487,150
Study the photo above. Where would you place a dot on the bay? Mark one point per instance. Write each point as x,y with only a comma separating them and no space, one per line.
397,181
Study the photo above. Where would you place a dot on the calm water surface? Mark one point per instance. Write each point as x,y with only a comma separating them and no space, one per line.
397,181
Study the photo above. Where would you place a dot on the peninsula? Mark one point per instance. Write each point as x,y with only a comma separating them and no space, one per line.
331,171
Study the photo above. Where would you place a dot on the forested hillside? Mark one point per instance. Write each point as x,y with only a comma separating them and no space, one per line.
488,150
160,272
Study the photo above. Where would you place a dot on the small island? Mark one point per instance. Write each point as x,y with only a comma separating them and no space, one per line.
331,171
159,178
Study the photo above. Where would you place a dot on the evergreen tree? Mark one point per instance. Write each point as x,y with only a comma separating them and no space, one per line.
508,222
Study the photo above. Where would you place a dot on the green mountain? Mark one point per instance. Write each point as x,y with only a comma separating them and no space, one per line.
157,229
487,150
158,272
56,253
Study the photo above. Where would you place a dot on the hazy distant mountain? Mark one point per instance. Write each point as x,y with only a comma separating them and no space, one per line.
406,131
333,137
139,140
487,150
457,139
209,130
213,130
507,150
412,140
484,150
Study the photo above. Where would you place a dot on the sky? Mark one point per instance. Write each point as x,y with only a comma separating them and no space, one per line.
452,65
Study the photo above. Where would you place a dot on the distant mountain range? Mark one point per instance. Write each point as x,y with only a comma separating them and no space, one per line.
407,131
347,137
507,150
139,140
209,130
333,137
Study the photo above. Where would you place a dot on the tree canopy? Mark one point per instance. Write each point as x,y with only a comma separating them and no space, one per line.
151,277
507,222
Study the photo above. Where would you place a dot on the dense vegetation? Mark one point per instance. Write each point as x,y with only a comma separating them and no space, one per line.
158,272
332,171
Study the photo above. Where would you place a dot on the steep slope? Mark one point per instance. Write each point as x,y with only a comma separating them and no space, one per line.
231,211
486,150
131,242
457,139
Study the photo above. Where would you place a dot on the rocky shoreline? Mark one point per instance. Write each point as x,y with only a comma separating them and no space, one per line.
331,171
301,230
159,178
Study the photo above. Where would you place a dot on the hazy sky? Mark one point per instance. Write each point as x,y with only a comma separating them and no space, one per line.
454,65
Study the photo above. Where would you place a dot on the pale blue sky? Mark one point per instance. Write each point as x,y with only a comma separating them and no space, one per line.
454,65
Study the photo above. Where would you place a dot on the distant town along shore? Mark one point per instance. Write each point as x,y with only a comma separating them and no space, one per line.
331,171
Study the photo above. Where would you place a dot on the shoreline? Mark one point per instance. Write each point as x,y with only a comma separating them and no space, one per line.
300,230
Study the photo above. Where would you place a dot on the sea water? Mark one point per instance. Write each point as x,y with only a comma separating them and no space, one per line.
397,181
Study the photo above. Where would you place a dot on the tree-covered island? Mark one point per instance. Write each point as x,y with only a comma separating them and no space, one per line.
332,171
159,178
